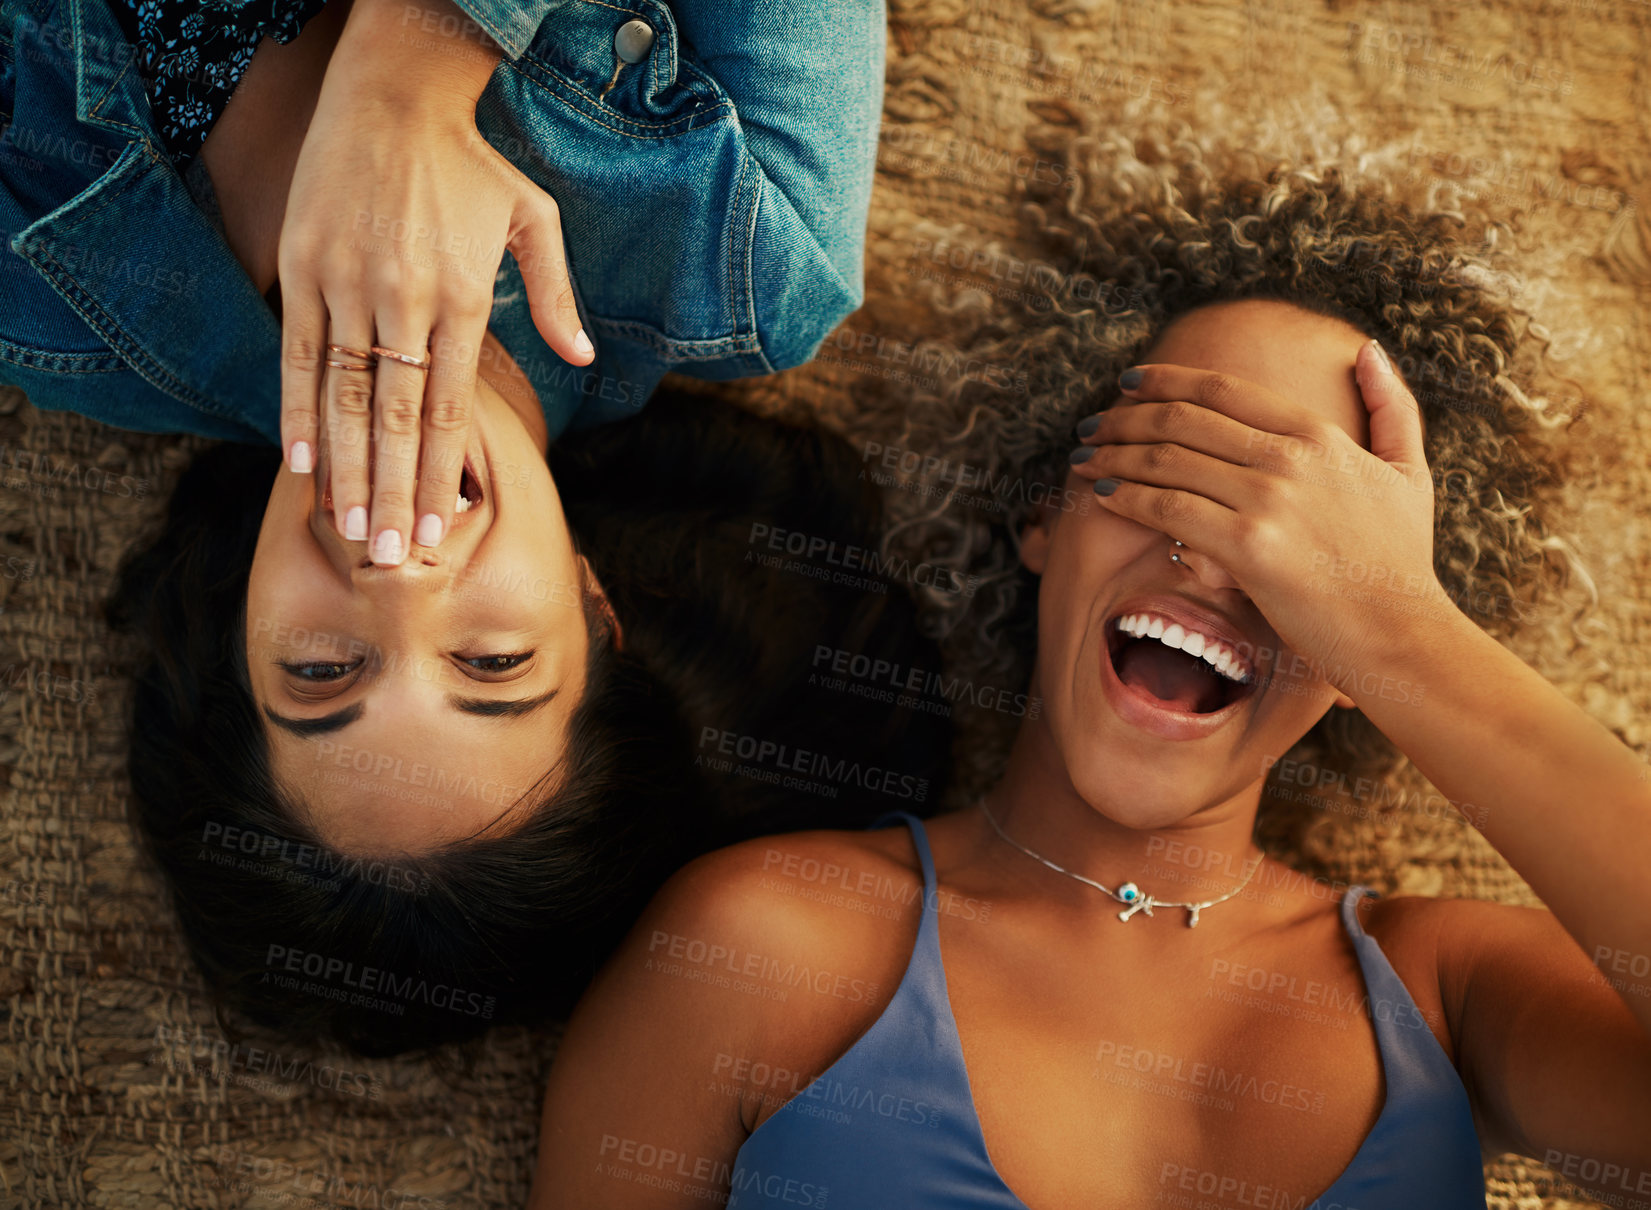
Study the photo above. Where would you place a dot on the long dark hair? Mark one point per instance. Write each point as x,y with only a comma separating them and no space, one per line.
718,657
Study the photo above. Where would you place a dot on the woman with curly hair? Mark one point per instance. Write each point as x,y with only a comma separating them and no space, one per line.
1091,987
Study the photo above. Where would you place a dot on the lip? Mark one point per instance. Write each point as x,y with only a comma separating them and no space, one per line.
1173,724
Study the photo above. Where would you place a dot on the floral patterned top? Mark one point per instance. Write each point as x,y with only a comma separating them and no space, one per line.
192,53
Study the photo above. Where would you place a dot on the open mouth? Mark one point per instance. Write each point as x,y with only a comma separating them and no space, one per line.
1176,669
470,489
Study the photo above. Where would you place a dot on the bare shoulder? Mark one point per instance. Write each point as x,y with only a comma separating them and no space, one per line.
832,913
1440,947
790,884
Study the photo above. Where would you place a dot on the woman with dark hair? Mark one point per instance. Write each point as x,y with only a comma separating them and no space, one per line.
1090,986
410,748
498,892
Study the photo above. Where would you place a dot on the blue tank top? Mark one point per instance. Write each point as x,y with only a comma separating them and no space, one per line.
892,1123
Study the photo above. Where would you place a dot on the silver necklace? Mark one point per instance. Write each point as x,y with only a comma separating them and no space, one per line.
1130,895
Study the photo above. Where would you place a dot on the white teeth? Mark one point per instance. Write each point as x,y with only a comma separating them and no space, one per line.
463,506
1213,652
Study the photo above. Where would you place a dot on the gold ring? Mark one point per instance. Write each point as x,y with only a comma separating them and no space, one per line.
348,365
405,359
351,352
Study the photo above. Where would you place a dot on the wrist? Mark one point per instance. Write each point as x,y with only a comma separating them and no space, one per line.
1430,646
422,55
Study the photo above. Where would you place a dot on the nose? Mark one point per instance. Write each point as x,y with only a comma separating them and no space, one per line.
1206,568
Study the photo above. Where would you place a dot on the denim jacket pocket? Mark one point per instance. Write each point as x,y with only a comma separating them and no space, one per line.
657,191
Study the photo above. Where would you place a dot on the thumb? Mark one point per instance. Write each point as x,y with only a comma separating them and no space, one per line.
1395,416
537,246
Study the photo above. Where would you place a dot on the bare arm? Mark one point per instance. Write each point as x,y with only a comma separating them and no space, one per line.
1552,1012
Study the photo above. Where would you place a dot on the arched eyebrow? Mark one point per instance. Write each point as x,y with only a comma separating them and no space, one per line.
310,728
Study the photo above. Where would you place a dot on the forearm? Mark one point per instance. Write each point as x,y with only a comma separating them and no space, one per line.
1565,801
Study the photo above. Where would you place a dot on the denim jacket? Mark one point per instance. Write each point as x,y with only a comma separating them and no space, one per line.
713,204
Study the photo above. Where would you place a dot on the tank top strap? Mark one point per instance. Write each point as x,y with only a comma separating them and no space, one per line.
920,841
1417,1066
923,989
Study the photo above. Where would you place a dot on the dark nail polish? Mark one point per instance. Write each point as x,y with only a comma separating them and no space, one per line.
1082,454
1088,425
1130,379
1105,487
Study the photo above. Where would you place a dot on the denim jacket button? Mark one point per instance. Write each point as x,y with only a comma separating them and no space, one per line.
633,40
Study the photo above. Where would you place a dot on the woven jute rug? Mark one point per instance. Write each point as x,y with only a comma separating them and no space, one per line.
116,1087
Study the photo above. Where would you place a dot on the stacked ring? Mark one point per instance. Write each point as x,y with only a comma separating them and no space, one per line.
418,363
347,365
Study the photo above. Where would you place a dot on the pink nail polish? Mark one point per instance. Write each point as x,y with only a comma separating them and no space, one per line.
301,461
355,524
582,344
428,532
387,548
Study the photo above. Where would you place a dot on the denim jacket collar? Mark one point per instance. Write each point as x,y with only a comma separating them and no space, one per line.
189,331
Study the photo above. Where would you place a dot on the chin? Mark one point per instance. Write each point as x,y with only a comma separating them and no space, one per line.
1134,793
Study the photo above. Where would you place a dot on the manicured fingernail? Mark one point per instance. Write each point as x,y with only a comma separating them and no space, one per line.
1088,425
1082,454
582,344
1383,363
387,548
355,524
1130,379
301,461
1105,487
428,532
